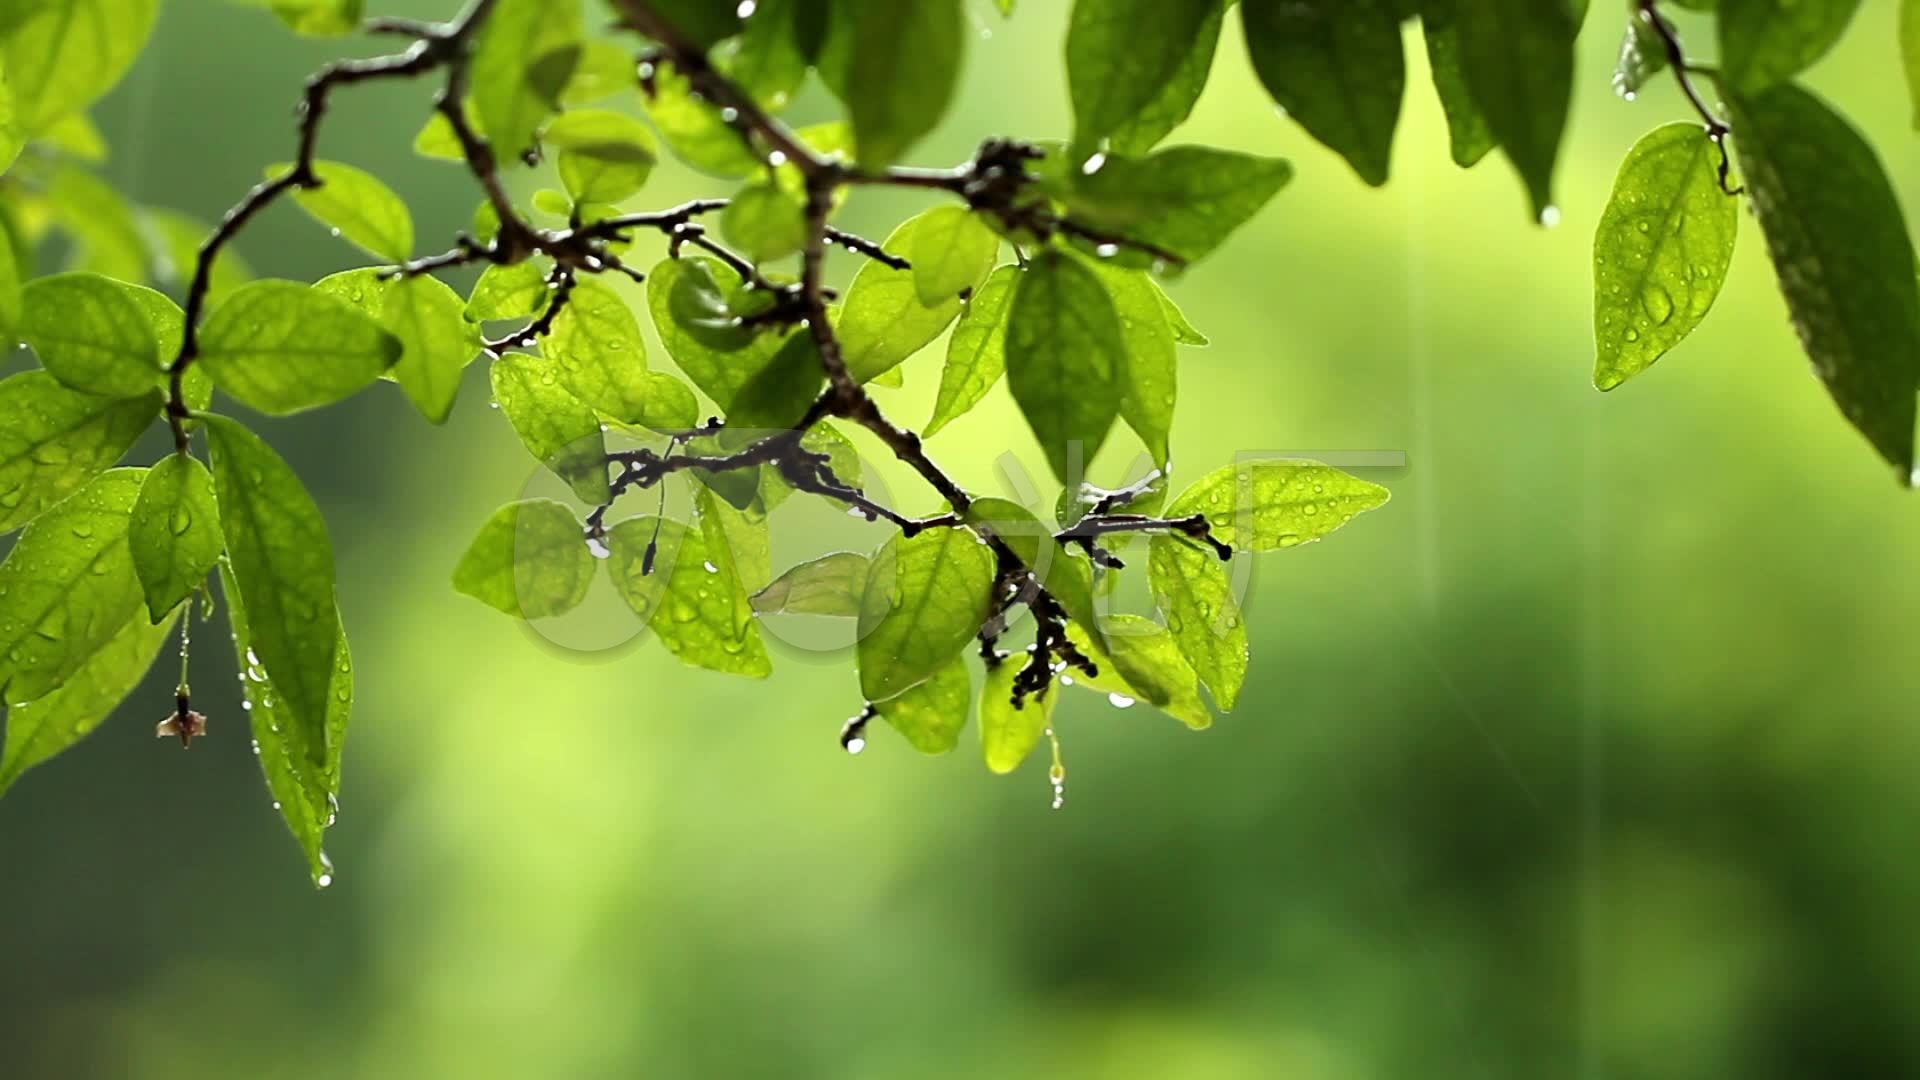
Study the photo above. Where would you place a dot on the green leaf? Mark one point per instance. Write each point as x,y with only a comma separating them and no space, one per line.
701,22
38,730
692,300
317,18
1186,200
884,320
282,563
358,206
1268,505
1518,59
902,73
67,587
829,585
1662,250
1336,66
1067,576
106,235
778,396
604,156
692,609
1009,734
64,55
598,352
509,291
90,334
437,342
11,314
953,252
1143,662
1839,242
977,351
56,439
1195,594
438,140
174,534
530,560
1174,101
930,716
1123,54
303,789
745,550
668,405
178,242
559,430
13,137
1184,331
76,137
1910,51
1065,357
604,70
1766,42
925,599
693,129
765,222
1643,54
1148,373
281,347
768,59
526,55
165,323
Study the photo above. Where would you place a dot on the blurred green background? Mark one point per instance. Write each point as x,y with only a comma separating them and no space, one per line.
1591,755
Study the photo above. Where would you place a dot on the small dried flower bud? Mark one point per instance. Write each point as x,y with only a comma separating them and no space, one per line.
186,726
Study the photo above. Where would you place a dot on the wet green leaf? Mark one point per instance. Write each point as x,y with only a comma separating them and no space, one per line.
1517,56
598,352
1766,42
765,222
903,69
1173,102
515,291
56,439
829,585
1065,357
924,600
174,535
1662,250
358,206
559,430
281,347
1194,592
693,129
90,334
1148,374
63,55
1123,54
1643,54
40,729
1337,67
977,351
317,18
1143,662
931,715
530,560
437,342
952,252
604,156
1268,505
525,57
1064,574
692,608
692,302
1009,734
1186,200
884,320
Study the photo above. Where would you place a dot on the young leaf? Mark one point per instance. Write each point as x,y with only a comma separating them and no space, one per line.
437,342
10,311
530,560
777,396
90,334
1186,200
40,729
1662,250
1765,42
740,546
1184,332
281,347
1337,67
977,351
1009,734
904,67
56,439
101,224
1064,359
953,252
165,321
559,430
1122,55
526,55
691,607
768,60
1193,590
765,222
1148,373
605,156
1643,54
1518,60
317,18
693,128
703,22
67,587
1142,661
829,585
1268,505
692,300
598,352
358,206
63,55
1839,242
174,533
930,716
1469,137
884,321
515,291
282,563
925,598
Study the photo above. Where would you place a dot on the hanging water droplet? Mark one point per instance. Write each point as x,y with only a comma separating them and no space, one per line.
1550,217
598,548
710,568
1120,701
855,744
1107,251
745,10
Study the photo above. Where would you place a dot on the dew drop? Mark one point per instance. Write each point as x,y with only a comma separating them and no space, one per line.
856,744
1550,217
1107,251
598,548
1119,701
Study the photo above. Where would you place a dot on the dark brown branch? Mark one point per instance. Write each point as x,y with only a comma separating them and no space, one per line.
866,247
1683,73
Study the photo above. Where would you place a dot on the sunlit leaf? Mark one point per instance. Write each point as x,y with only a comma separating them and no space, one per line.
902,72
925,598
282,347
1765,42
529,560
40,729
63,55
685,596
1065,357
829,585
174,533
977,351
90,334
358,206
55,440
559,430
931,715
1194,592
1336,67
1268,505
1008,734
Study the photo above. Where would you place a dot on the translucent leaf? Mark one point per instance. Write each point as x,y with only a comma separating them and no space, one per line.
56,439
931,715
107,237
605,70
1186,200
1142,662
952,252
693,129
768,59
515,291
358,206
1066,575
437,342
75,136
738,548
530,560
1469,137
282,563
604,156
40,729
1149,372
977,351
281,347
1336,67
1268,505
1643,54
1121,54
688,598
692,300
90,334
1009,734
1765,42
1518,59
883,320
1193,591
829,585
1662,250
10,312
1839,242
67,587
559,430
765,222
902,72
63,55
317,18
925,599
174,532
526,55
1065,358
1184,331
1910,51
1173,103
598,352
